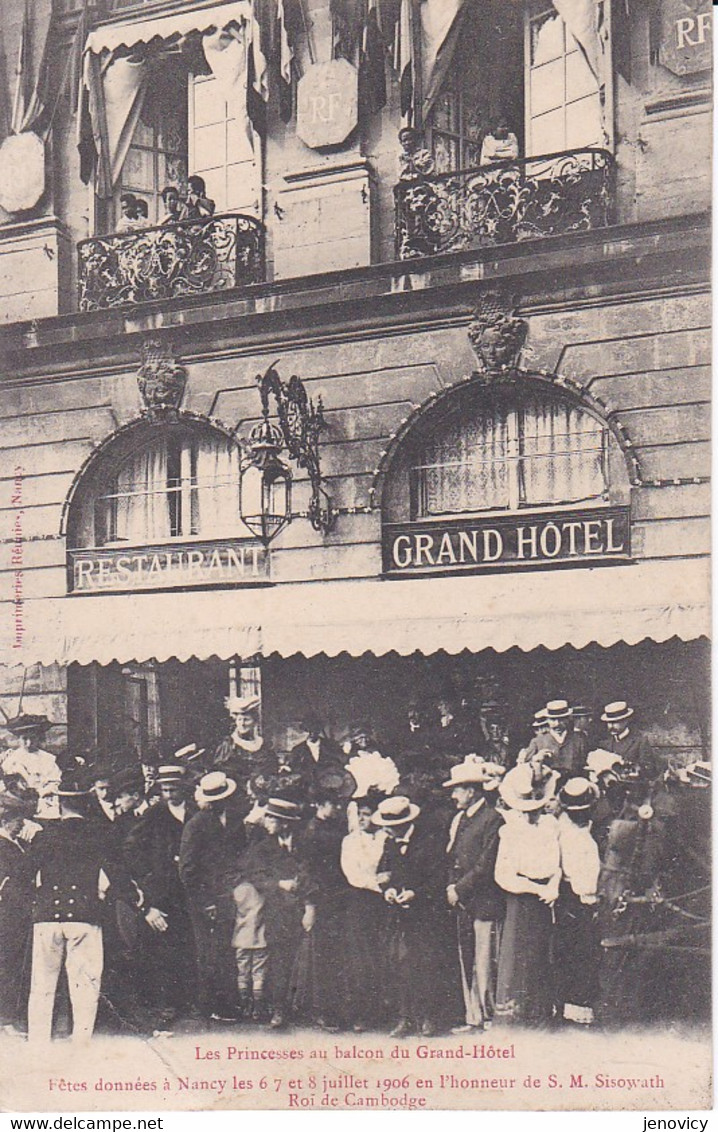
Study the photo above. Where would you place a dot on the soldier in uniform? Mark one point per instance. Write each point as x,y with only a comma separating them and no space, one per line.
68,859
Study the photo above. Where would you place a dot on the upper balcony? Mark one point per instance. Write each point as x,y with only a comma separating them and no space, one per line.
503,203
190,257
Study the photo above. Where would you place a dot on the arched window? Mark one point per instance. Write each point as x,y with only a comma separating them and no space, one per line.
504,449
157,483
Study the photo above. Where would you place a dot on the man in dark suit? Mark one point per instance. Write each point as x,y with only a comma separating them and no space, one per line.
273,865
472,891
412,880
314,754
212,843
639,762
152,850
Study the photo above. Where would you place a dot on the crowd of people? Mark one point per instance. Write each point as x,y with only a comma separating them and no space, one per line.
190,204
455,882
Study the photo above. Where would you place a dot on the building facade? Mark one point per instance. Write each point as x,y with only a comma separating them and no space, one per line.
490,480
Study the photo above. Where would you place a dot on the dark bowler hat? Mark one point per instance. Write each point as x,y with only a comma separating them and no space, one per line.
129,781
284,809
75,782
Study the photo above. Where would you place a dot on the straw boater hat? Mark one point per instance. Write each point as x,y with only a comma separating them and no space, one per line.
189,753
396,810
170,773
248,705
284,809
616,711
215,787
578,794
558,709
540,718
519,791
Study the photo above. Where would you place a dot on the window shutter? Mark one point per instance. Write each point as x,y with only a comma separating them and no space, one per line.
221,152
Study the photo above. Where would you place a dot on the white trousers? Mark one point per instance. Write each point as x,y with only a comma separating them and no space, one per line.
79,947
478,979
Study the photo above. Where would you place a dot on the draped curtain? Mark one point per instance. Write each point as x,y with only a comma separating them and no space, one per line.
175,490
544,452
465,467
562,454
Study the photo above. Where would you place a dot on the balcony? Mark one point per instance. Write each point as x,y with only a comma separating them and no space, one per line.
504,203
192,257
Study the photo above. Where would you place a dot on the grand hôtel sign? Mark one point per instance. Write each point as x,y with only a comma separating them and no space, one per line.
234,562
468,545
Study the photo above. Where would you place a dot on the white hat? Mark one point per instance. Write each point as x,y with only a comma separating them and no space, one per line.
601,761
471,772
616,711
214,787
170,773
245,704
189,752
519,791
396,810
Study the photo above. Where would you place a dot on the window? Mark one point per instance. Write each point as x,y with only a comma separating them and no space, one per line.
221,150
504,456
563,105
484,83
158,153
181,486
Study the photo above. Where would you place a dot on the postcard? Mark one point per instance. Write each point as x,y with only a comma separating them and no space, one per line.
354,680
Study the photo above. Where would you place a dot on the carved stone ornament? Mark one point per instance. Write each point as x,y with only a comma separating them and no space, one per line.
497,336
161,381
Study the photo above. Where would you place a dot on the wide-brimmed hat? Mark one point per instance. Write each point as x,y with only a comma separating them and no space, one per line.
470,772
578,794
601,761
284,809
170,772
558,709
396,810
519,789
25,724
334,783
247,705
616,711
215,787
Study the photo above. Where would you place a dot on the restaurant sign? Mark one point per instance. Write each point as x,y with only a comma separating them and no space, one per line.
235,562
468,545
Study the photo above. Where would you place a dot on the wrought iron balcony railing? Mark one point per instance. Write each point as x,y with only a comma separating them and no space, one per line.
505,202
192,257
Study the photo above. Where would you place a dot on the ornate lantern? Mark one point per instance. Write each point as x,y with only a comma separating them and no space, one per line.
266,482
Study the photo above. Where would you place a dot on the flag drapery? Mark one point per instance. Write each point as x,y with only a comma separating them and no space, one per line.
372,62
30,79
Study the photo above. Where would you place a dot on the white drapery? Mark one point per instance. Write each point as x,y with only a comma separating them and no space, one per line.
117,83
176,490
544,452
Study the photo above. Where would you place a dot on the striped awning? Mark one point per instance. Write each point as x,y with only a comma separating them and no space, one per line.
647,601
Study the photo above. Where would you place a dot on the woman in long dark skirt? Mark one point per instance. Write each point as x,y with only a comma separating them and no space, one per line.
528,869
